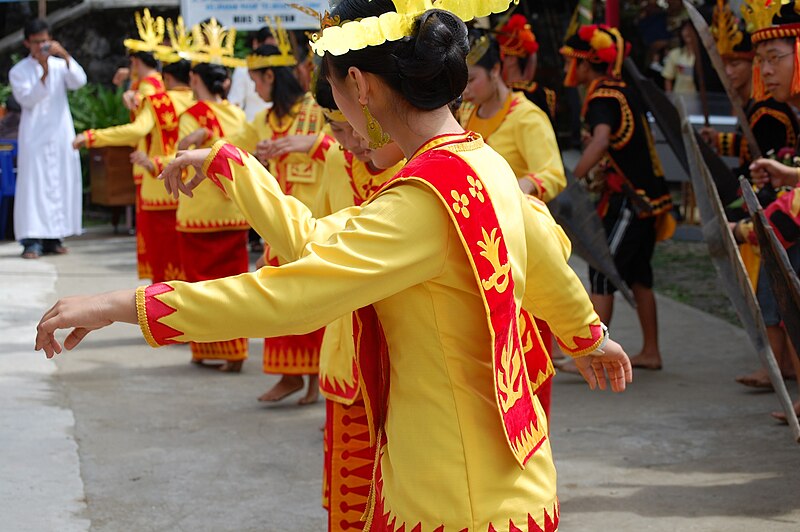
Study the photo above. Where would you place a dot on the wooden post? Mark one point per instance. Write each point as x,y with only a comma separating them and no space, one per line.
612,13
42,8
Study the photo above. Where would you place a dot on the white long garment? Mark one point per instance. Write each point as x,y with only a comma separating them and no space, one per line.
49,185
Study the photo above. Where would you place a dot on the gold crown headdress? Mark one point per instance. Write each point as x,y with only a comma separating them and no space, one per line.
727,33
211,43
758,14
180,43
151,33
284,59
478,49
392,26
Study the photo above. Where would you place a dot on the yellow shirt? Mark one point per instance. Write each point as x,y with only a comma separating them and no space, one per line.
298,173
446,462
523,135
209,209
150,123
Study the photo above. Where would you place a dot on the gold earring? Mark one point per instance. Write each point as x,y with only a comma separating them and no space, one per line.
378,138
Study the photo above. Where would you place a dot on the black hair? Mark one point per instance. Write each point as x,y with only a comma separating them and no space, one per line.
32,27
428,68
600,68
491,56
179,70
286,90
262,35
147,58
213,77
323,93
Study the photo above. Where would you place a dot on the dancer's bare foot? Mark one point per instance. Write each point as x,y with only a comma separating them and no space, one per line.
757,379
231,366
288,385
205,364
781,416
647,361
312,394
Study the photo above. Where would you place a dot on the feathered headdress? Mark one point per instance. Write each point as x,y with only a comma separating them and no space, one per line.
595,43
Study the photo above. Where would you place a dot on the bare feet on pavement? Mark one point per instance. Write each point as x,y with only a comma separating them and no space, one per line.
647,361
757,379
288,385
781,416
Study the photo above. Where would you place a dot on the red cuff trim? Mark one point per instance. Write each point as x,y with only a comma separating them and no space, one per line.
151,310
217,164
584,346
90,138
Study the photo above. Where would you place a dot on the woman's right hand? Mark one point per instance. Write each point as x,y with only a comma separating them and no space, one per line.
83,314
79,141
173,172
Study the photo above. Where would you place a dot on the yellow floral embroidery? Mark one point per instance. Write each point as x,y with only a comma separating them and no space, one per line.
460,204
491,252
508,375
475,188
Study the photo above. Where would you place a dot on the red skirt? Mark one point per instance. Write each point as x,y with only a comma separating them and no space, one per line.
142,262
293,355
161,241
348,463
206,256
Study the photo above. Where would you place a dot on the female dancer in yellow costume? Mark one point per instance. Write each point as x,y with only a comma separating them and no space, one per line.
294,113
212,232
436,266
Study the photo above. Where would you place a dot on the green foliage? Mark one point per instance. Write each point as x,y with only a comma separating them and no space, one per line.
95,106
241,47
5,92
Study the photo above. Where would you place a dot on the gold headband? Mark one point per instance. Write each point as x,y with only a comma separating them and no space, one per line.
285,58
334,115
394,25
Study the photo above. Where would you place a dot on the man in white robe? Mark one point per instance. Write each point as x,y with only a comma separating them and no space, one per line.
47,206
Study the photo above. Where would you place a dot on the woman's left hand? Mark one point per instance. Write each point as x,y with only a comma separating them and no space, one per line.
173,172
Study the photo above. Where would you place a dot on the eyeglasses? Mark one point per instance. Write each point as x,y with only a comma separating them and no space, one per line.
773,61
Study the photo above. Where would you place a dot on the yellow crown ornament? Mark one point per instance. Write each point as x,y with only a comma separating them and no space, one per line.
180,42
211,43
337,39
151,33
725,29
284,59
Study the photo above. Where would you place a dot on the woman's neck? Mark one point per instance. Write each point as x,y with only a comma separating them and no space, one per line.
204,95
411,131
492,106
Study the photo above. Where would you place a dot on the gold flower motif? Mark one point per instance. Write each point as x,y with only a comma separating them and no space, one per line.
475,188
460,205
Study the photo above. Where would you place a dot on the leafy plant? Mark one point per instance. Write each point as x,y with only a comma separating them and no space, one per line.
5,92
95,106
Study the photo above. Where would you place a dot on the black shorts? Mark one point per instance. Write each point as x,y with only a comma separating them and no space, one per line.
632,241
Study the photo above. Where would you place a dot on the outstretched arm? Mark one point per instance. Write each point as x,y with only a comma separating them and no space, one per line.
380,252
284,222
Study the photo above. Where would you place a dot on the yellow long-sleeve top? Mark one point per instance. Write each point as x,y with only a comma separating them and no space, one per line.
446,461
523,135
147,86
210,209
300,174
156,124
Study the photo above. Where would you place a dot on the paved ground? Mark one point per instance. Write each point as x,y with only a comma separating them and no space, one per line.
120,437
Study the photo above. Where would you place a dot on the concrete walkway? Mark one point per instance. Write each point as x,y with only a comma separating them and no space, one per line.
116,436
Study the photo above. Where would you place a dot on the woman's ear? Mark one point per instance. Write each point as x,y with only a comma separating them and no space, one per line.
496,70
357,79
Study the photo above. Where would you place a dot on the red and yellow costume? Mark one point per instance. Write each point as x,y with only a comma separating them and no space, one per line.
147,86
212,232
523,135
463,440
349,456
299,174
156,128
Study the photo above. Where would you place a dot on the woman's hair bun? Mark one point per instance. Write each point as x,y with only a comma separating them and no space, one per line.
213,76
432,63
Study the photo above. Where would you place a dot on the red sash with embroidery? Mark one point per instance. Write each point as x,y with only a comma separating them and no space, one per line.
166,121
205,116
470,208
